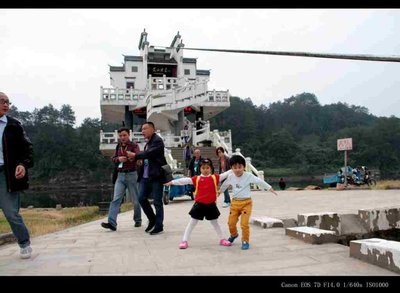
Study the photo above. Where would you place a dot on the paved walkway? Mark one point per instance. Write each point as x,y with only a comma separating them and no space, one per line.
91,250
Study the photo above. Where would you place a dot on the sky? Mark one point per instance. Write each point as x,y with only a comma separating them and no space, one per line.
61,56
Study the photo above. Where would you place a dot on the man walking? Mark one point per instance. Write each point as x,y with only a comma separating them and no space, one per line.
124,157
16,154
151,178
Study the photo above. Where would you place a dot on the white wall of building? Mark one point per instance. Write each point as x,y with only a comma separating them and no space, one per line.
117,79
192,68
120,78
203,78
140,75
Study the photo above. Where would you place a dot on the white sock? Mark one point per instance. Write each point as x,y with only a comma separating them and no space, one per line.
217,228
189,228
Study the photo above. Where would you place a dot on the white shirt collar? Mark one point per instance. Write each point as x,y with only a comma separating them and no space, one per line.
3,119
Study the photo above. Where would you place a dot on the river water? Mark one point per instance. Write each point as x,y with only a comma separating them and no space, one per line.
65,197
70,197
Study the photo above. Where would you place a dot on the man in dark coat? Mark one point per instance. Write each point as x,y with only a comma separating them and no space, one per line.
16,154
151,178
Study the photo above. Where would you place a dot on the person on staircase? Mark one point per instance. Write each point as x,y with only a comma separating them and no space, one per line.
187,155
223,166
194,168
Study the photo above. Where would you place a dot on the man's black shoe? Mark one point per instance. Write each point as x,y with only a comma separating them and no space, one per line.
138,224
156,231
108,226
150,226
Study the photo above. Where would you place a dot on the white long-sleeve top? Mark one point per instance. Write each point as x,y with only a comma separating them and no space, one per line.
241,185
188,180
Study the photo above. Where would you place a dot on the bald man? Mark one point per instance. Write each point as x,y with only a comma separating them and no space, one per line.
16,154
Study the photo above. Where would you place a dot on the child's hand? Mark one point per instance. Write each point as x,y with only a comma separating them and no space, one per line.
273,191
218,192
168,183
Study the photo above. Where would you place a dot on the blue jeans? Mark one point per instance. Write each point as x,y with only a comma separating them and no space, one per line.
155,187
227,198
124,181
10,204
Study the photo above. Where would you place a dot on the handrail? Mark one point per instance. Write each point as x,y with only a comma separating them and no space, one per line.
170,160
218,141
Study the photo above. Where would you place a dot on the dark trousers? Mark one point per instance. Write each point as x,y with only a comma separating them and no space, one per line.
155,187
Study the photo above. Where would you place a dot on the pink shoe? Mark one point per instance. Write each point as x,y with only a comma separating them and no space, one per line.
183,245
225,242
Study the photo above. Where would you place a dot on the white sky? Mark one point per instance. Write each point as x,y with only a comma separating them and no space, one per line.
61,56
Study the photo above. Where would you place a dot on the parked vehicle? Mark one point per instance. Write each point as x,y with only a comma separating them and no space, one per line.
170,192
355,176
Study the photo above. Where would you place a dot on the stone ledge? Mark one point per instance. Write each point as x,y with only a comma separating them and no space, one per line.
324,220
266,222
380,219
312,235
380,252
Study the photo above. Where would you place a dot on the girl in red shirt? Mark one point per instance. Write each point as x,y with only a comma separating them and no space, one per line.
205,206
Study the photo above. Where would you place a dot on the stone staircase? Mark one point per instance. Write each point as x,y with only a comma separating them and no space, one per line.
206,152
316,228
325,227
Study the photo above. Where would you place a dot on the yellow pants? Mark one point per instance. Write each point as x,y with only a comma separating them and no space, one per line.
242,209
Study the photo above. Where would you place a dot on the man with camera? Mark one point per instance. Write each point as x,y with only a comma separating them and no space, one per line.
127,176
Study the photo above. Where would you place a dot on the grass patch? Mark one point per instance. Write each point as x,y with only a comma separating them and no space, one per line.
42,221
388,184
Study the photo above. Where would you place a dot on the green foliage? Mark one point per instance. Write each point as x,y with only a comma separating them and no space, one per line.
300,134
60,148
296,135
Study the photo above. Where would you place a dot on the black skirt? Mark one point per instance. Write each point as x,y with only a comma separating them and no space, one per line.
201,210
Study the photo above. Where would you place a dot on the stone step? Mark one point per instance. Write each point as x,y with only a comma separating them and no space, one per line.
380,219
380,252
206,152
266,222
322,220
312,235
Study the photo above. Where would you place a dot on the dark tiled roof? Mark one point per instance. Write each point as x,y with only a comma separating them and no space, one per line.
202,72
117,68
133,58
189,60
156,57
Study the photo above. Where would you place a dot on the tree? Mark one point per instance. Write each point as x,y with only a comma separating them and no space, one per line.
67,116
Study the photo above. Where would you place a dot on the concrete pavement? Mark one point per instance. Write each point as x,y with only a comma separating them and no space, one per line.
91,250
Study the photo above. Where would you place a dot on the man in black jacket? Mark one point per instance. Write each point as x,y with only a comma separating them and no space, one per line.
16,154
151,178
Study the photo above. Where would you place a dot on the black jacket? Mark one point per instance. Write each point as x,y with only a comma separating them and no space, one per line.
154,152
191,167
17,150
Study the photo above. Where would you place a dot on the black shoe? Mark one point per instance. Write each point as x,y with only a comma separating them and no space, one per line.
108,226
156,231
138,224
150,226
